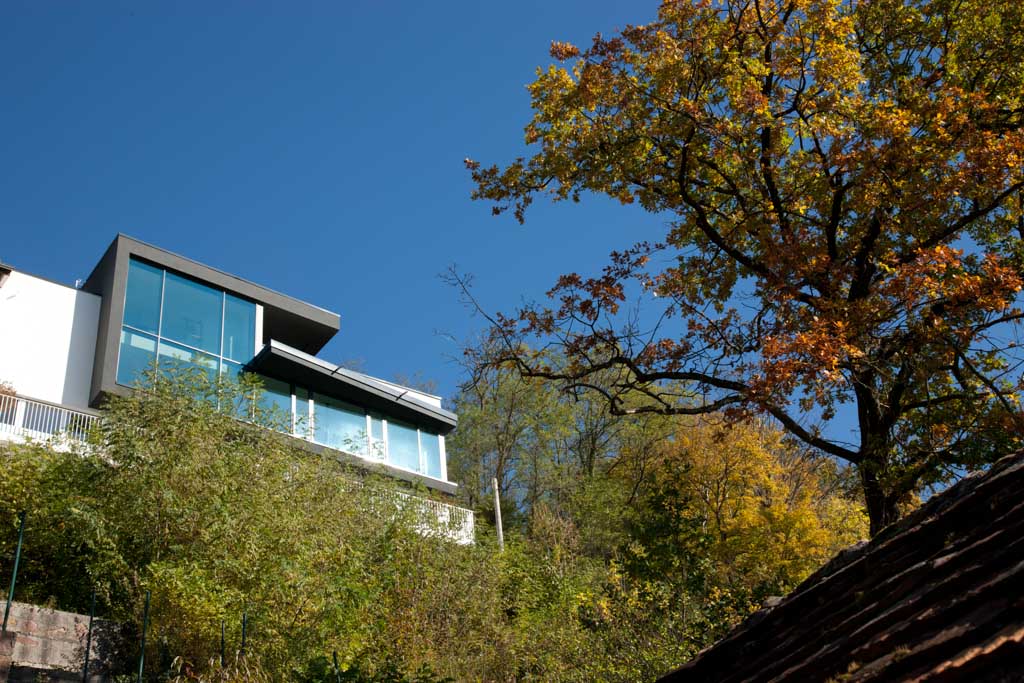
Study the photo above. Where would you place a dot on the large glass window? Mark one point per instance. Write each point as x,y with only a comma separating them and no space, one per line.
339,425
240,405
192,313
378,446
348,427
193,324
275,403
138,353
303,425
230,371
142,298
430,446
403,446
177,358
239,328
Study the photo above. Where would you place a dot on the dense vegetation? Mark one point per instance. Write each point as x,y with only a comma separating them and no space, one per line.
841,187
630,543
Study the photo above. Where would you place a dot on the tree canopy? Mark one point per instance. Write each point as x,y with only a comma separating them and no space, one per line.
842,186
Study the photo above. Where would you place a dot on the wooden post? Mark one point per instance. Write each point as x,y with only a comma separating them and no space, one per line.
497,515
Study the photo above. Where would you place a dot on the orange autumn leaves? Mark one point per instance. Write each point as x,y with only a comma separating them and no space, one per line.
843,194
917,296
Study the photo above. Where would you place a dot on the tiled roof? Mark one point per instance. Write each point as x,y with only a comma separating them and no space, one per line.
939,596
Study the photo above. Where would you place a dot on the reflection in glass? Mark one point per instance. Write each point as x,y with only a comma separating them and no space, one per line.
142,296
230,372
303,422
137,354
239,328
275,404
174,358
378,449
430,444
240,405
403,447
192,313
339,425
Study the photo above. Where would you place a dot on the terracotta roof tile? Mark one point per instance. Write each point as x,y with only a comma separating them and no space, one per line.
937,597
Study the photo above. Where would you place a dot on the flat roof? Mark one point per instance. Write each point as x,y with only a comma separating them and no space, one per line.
303,325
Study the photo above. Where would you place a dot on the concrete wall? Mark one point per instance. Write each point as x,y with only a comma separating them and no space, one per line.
51,642
48,339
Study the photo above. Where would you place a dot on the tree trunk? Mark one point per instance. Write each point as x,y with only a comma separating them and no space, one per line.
882,505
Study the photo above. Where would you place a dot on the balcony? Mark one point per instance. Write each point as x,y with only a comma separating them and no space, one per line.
24,419
451,521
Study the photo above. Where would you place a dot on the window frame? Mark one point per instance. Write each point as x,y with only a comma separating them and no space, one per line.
422,468
222,360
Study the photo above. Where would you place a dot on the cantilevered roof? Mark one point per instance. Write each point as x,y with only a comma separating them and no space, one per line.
284,362
935,597
298,323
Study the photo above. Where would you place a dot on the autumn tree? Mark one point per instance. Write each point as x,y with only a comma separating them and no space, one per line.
842,187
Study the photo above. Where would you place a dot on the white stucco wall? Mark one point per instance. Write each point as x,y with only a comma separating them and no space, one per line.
47,339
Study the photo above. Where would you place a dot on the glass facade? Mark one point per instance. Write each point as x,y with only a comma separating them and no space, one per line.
430,447
403,446
192,313
344,426
378,445
339,425
179,323
239,328
173,322
138,353
142,298
275,404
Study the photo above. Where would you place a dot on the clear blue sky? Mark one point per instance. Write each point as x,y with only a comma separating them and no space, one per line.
315,148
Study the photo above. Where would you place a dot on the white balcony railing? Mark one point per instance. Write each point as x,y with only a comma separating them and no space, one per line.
24,419
451,521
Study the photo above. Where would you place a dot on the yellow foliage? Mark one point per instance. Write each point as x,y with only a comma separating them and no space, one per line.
773,514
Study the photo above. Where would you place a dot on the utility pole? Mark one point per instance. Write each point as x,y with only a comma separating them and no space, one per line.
497,515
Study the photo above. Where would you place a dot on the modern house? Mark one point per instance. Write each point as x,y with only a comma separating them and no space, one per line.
64,349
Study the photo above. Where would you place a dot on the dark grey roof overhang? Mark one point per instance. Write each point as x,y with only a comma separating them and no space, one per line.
297,323
279,361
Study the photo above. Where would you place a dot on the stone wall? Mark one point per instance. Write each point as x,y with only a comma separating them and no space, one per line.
51,642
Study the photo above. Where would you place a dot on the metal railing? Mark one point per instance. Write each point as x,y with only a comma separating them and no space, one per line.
451,521
24,418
